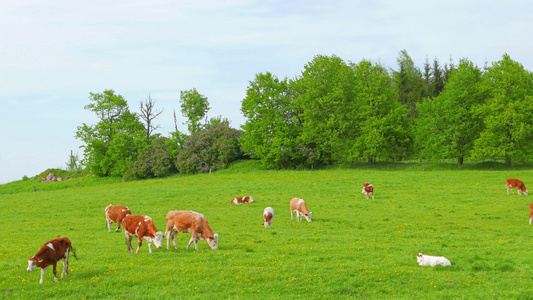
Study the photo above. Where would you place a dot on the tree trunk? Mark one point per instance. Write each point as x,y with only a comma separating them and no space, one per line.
460,161
370,161
507,161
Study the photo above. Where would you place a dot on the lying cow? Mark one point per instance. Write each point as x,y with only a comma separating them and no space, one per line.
515,183
245,199
268,215
298,206
115,213
426,260
193,223
368,189
530,213
142,227
51,252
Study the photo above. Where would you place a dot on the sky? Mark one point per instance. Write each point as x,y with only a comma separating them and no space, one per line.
54,53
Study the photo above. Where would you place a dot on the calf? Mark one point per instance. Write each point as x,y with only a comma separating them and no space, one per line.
368,189
115,213
193,223
426,260
51,252
515,183
298,206
530,213
142,227
268,215
245,199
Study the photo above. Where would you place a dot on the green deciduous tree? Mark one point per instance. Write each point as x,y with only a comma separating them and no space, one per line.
325,99
272,127
194,106
113,142
447,125
380,120
507,114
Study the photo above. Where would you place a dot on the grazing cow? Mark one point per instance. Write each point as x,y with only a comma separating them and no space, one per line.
115,213
530,213
51,252
193,223
298,206
268,215
142,227
245,199
426,260
368,189
515,183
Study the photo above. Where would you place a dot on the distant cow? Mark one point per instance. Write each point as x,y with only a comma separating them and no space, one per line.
426,260
530,213
245,199
51,252
515,183
298,206
142,227
193,223
268,215
115,213
368,189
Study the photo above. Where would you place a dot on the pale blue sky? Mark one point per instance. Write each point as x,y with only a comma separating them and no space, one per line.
54,53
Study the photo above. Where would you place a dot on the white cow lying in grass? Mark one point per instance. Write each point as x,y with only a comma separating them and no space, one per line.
426,260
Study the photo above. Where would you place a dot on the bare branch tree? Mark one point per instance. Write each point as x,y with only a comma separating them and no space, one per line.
149,114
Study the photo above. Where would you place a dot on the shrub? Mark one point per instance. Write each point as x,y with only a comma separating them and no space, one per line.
208,150
154,160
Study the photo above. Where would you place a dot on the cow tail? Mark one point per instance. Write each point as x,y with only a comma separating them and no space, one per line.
73,252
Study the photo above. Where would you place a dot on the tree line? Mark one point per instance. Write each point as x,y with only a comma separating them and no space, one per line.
333,113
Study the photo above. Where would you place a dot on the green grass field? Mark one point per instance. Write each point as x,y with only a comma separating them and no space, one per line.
354,248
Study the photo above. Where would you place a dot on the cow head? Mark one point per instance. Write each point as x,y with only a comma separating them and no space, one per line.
420,258
33,263
250,199
213,242
266,224
308,216
525,192
158,239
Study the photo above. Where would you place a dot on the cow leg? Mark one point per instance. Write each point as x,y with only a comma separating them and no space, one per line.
507,190
108,223
42,275
128,242
190,242
372,195
118,227
174,239
530,218
291,214
140,244
55,271
149,247
65,265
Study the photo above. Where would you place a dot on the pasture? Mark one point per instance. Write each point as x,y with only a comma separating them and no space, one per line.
354,248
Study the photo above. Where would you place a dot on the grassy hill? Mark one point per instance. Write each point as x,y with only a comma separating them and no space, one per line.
353,248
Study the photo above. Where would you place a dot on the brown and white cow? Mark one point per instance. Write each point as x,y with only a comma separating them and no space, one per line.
530,213
368,189
298,206
239,200
268,215
115,213
142,227
193,223
515,183
51,252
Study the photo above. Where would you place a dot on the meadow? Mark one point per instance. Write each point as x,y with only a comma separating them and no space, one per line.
354,248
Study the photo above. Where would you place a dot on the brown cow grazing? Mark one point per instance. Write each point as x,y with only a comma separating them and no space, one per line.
298,206
245,199
142,227
193,223
115,213
515,183
268,215
51,252
368,189
530,213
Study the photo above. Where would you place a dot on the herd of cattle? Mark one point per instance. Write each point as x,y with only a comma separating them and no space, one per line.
196,224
